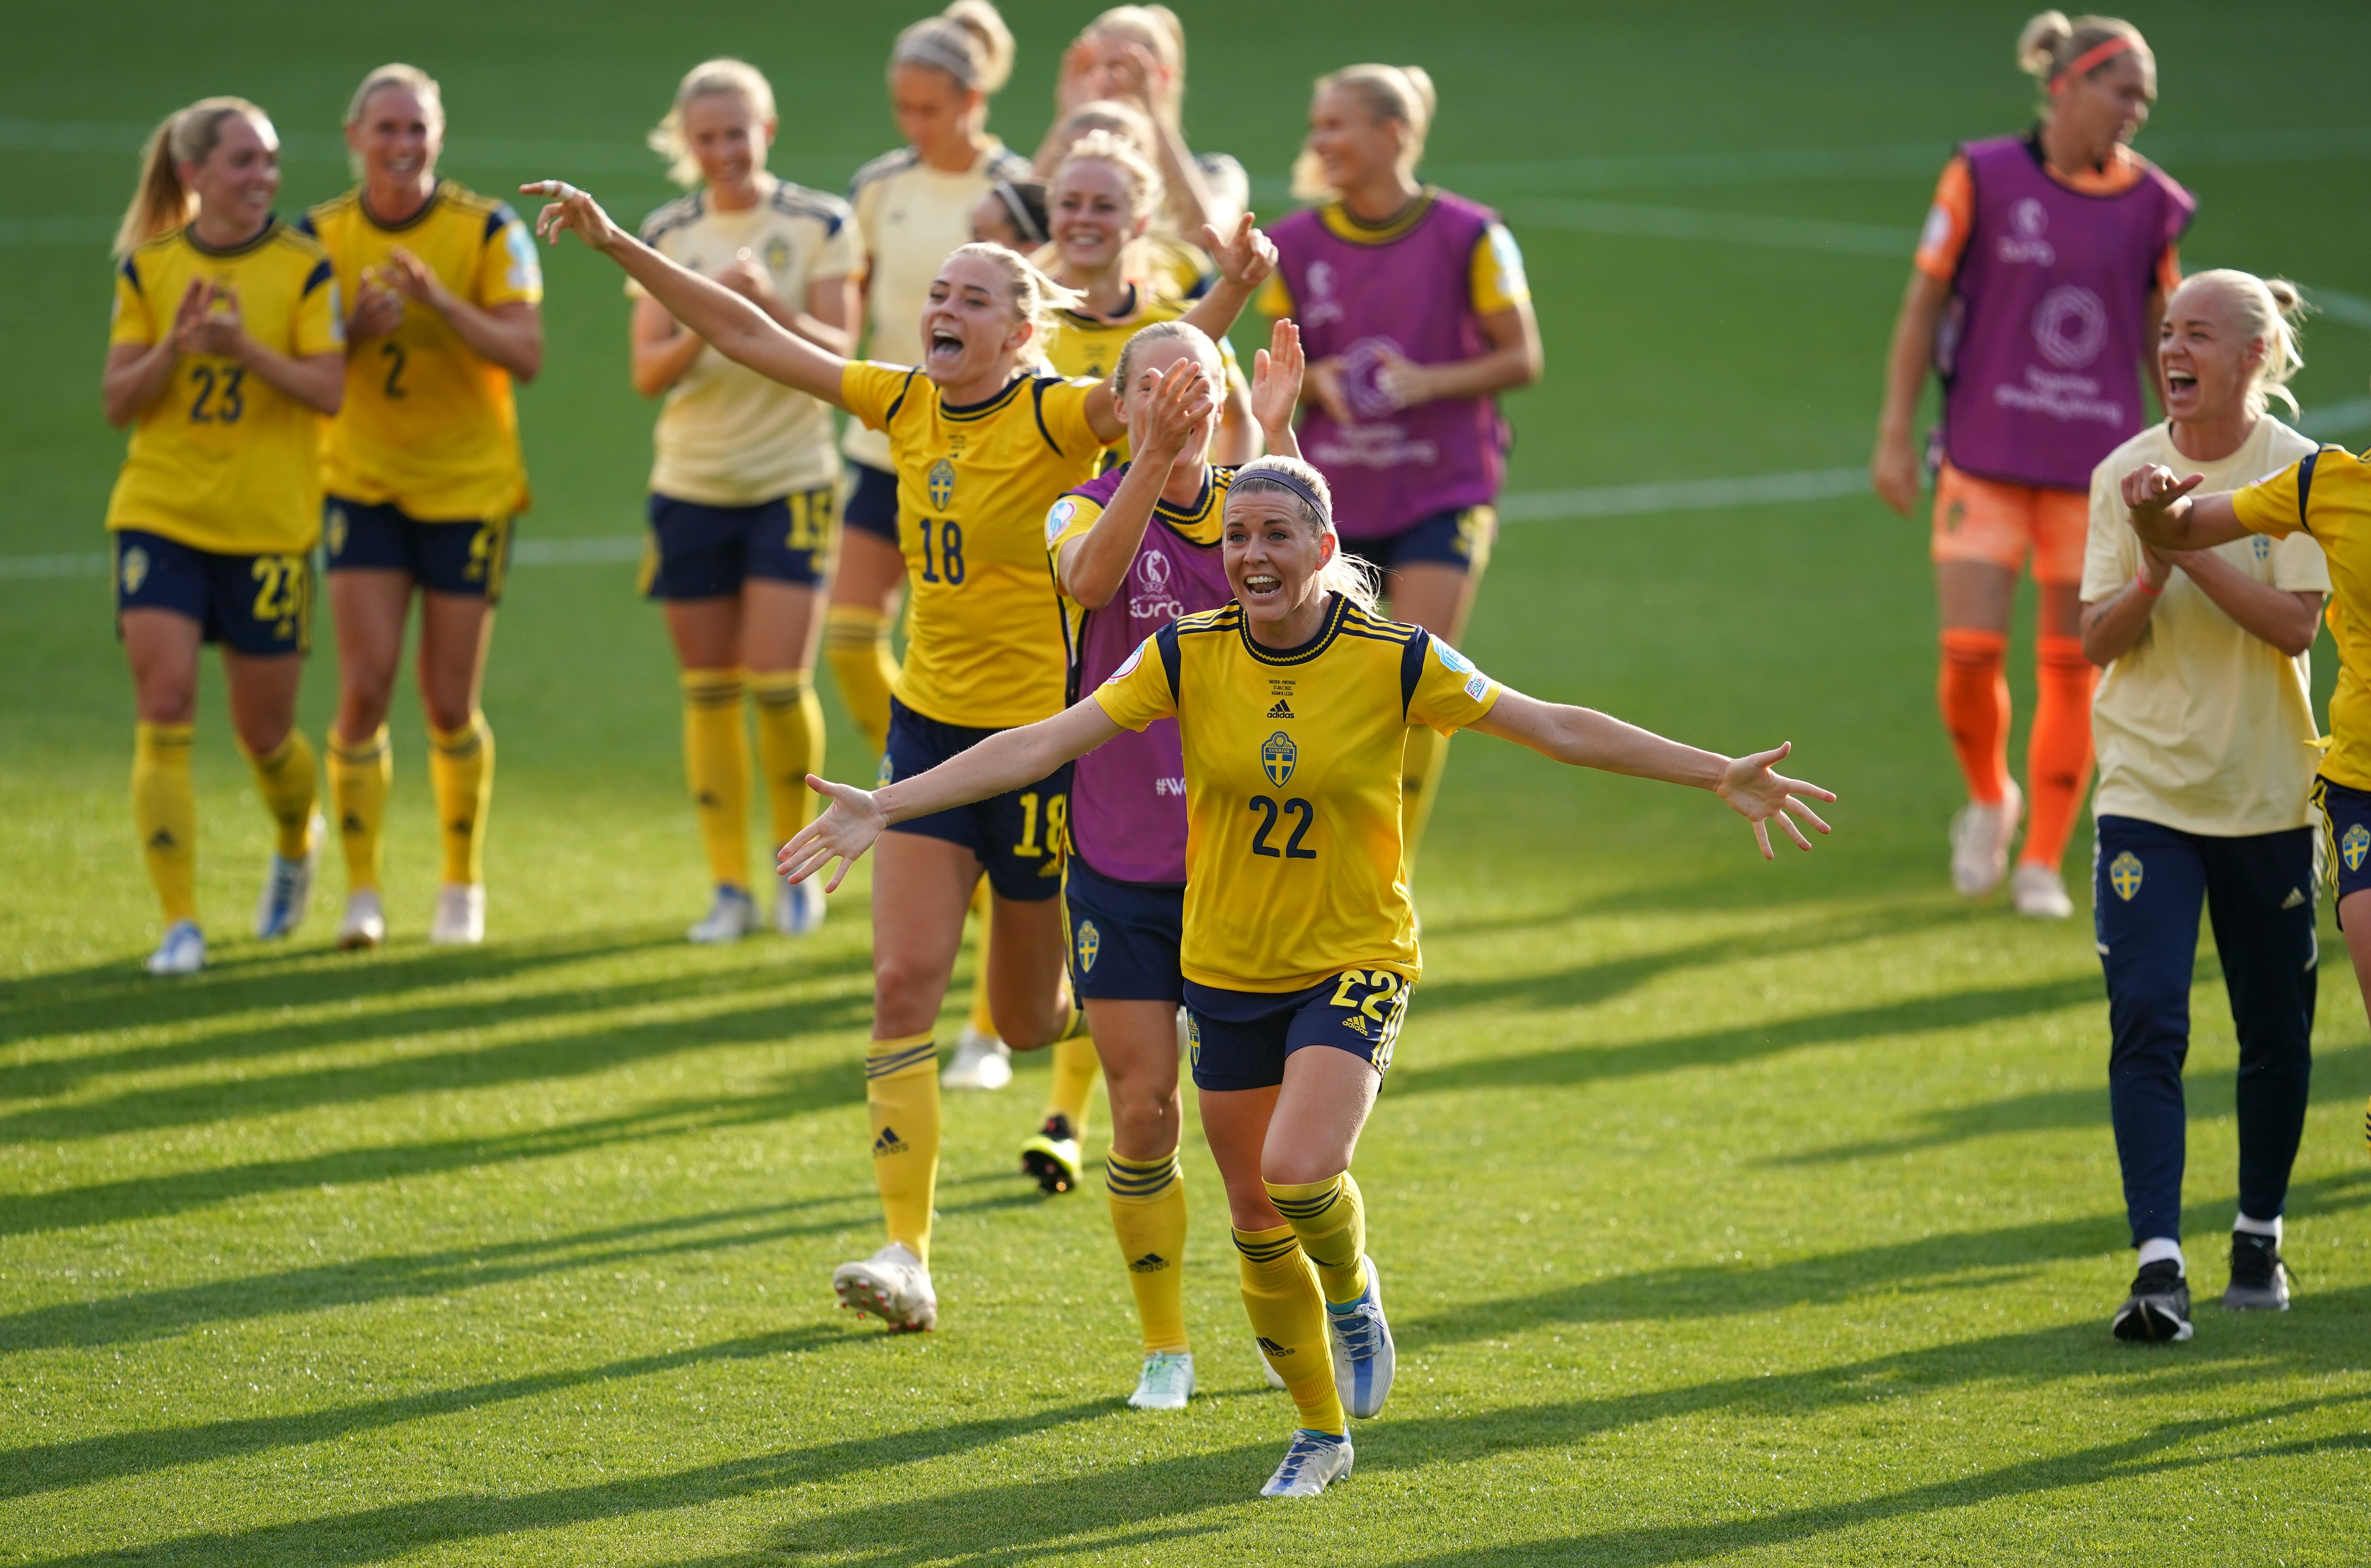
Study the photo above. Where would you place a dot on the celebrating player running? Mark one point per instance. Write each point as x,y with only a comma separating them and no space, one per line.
1292,704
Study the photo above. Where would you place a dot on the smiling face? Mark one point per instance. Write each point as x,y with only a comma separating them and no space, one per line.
236,181
1092,215
2209,359
397,136
1272,554
933,112
970,329
724,133
1352,143
1149,362
2110,105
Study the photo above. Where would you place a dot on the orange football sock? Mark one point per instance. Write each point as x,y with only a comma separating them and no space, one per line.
1973,695
2058,754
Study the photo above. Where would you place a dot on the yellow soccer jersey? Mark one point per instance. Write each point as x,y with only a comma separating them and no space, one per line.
984,646
224,460
728,436
1090,345
1495,280
427,423
912,217
1292,787
2328,494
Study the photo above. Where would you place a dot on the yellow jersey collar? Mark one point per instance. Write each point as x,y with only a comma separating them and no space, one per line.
1335,612
1343,224
245,247
427,209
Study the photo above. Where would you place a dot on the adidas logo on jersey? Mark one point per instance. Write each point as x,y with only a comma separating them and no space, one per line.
888,1143
1272,1348
1151,1262
1282,709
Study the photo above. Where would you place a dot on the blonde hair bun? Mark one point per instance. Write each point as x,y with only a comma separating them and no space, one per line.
2038,45
985,25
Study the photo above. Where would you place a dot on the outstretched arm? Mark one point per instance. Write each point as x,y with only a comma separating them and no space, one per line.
1004,761
732,325
2167,515
1585,738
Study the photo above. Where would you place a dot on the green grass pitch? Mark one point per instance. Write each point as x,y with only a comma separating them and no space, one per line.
1734,1213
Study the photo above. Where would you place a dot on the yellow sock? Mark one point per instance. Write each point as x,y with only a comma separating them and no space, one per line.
1330,1219
901,1091
1075,1067
288,781
360,774
461,774
982,1019
1148,1212
1289,1318
165,813
856,643
790,746
1421,762
716,765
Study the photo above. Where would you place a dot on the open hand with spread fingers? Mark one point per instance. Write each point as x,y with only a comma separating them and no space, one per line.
1161,420
571,209
1759,795
844,831
1276,371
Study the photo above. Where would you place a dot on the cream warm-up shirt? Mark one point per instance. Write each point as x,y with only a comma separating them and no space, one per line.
2201,725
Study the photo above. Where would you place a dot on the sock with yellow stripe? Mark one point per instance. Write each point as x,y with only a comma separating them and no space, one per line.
901,1091
856,644
1148,1212
1421,764
1289,1319
1330,1219
461,775
165,813
360,772
983,1021
287,779
716,765
790,746
1075,1067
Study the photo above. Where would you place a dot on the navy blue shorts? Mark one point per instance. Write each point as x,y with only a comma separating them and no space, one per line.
1017,835
697,551
1124,938
467,559
1461,539
2346,834
255,603
872,501
1240,1039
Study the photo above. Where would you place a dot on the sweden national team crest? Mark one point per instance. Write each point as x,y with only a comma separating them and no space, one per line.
2124,875
778,254
2354,845
135,569
1277,756
941,480
333,532
1091,943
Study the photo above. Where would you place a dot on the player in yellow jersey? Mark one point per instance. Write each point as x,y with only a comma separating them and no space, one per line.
744,491
1291,704
983,444
423,477
223,355
1178,266
913,207
1133,57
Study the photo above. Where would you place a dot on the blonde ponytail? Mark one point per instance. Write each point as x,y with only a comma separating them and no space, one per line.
1401,93
1035,296
2267,309
718,76
160,203
968,41
2051,43
1345,574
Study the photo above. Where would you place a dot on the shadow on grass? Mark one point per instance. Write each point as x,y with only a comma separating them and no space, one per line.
1719,1047
153,1314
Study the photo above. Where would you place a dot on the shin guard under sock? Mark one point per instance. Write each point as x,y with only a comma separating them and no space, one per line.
1972,692
901,1091
1289,1319
2058,752
1148,1214
716,767
165,814
856,645
288,779
360,772
790,746
1330,1219
461,775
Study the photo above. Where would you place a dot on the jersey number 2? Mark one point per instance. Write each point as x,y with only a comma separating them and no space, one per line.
1296,807
394,362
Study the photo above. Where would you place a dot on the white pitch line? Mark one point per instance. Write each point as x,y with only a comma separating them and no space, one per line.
1732,228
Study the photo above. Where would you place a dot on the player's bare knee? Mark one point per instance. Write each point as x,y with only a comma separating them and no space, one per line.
1300,1167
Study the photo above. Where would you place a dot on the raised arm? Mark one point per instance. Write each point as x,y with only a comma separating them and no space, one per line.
1585,738
2167,515
732,325
1091,567
1245,258
1004,761
1277,373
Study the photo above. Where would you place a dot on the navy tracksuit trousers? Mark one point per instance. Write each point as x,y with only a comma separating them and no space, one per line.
2147,883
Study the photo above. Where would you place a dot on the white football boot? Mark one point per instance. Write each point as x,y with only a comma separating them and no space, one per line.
1314,1461
981,1061
732,916
288,885
366,923
2038,892
460,915
893,1285
183,950
798,906
1167,1381
1364,1358
1275,1378
1980,840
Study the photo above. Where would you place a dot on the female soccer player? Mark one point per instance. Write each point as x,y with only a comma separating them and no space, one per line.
1132,550
2051,255
1178,264
228,346
1292,704
2205,727
983,444
746,484
913,208
1136,55
425,478
1415,313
